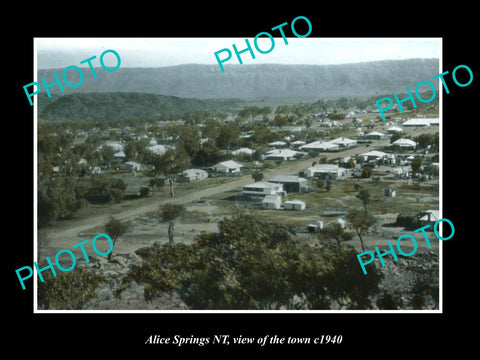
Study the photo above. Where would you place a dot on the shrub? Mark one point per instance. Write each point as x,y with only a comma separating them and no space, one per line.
144,191
68,290
405,220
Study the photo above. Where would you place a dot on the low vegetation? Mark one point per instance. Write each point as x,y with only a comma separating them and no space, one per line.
251,264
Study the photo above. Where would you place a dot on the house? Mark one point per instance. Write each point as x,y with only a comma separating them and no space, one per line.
379,157
263,188
428,217
293,128
132,165
243,151
297,205
282,154
341,222
344,142
227,167
318,146
291,183
315,226
157,149
324,171
194,174
389,192
421,122
297,143
115,145
272,202
404,143
374,135
394,130
278,144
119,155
403,171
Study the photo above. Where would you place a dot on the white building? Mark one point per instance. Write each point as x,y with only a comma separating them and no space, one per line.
194,174
157,149
375,135
243,151
282,154
298,205
324,171
227,167
117,146
422,122
320,145
394,129
278,144
133,165
344,142
263,188
404,143
272,202
297,143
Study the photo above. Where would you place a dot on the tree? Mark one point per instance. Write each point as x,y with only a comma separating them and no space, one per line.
351,163
170,164
114,228
56,200
171,212
364,196
263,134
416,165
280,120
361,221
229,134
188,138
136,150
328,186
209,154
336,232
366,173
107,154
211,130
395,136
320,184
257,176
144,191
154,182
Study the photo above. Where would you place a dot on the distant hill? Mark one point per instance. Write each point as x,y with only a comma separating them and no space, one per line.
104,107
247,82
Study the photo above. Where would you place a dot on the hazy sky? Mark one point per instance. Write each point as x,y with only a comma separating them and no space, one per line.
158,52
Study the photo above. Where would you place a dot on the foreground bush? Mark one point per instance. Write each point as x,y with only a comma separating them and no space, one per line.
69,290
250,264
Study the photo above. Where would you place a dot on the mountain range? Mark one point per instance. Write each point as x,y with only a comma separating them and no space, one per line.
153,92
253,81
